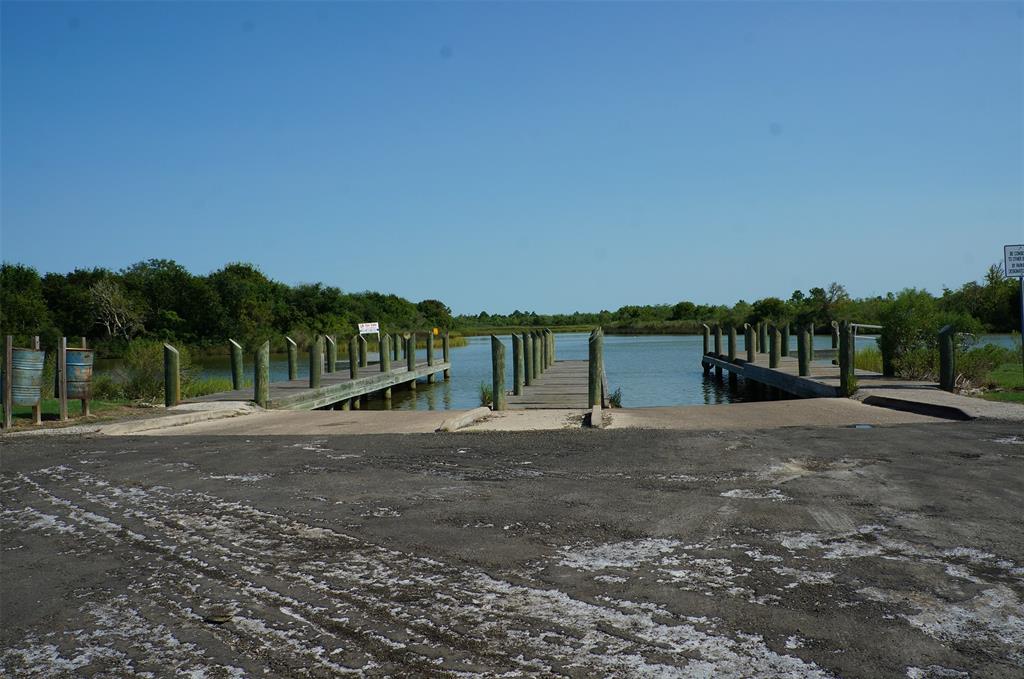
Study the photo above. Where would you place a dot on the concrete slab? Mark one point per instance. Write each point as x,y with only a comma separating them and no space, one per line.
811,412
529,420
317,422
803,553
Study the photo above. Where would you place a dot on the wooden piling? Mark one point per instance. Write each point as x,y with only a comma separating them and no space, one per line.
762,337
293,358
430,355
527,358
62,378
236,364
498,398
835,334
363,362
802,357
396,347
538,367
947,358
518,364
446,354
749,342
410,357
385,353
543,349
784,348
595,388
775,350
718,349
9,382
37,409
332,353
353,357
707,338
261,377
316,362
847,375
172,377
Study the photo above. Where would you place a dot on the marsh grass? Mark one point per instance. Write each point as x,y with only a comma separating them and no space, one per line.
486,394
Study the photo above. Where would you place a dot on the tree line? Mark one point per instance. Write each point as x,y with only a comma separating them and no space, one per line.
159,299
992,305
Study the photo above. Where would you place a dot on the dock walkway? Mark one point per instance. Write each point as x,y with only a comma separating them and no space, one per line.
335,387
562,385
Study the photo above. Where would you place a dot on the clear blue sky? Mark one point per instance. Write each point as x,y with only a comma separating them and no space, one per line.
535,156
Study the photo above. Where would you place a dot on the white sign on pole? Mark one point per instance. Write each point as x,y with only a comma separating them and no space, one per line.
369,328
1013,260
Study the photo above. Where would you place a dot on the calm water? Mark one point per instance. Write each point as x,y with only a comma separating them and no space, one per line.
651,370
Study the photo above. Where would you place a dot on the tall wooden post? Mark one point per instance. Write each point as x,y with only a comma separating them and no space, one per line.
430,354
527,358
353,357
37,409
410,357
172,377
774,345
707,338
762,334
749,342
731,343
332,353
517,364
316,361
718,349
293,358
551,347
385,361
363,362
498,399
847,374
784,349
446,353
62,378
802,357
595,366
261,376
538,364
947,359
9,382
396,347
236,364
543,337
835,334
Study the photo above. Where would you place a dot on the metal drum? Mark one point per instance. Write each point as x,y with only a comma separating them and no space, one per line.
27,376
79,371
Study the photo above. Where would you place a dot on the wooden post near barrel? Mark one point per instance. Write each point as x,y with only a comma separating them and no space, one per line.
172,376
498,398
37,409
61,382
236,364
261,376
8,387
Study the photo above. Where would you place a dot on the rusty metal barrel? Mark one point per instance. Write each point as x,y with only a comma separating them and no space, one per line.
26,376
79,371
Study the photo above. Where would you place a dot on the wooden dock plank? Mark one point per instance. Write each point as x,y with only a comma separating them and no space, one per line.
563,385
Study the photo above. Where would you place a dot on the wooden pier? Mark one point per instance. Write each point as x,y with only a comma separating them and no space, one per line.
563,385
336,388
823,380
539,381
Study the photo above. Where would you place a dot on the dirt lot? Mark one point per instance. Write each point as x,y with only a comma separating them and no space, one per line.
892,551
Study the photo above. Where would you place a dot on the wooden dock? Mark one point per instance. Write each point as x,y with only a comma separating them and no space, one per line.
823,380
336,388
563,385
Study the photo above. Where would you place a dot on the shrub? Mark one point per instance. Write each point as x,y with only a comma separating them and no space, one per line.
142,371
106,388
615,398
486,394
910,334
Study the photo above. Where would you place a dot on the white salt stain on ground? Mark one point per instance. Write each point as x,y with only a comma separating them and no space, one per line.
773,494
616,555
245,478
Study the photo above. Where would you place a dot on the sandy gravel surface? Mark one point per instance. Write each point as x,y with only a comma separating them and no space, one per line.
895,551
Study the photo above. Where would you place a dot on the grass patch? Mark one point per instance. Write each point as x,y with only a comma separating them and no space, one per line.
868,358
1007,382
98,409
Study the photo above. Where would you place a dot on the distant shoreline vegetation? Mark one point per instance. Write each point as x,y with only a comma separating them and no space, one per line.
993,306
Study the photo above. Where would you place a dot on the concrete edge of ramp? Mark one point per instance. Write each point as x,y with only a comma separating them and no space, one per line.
464,419
945,412
185,414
